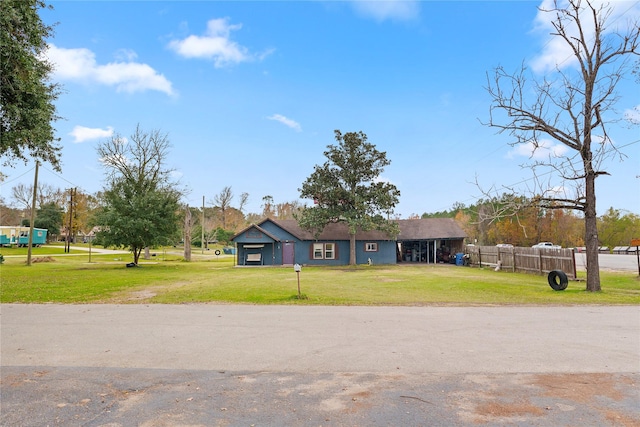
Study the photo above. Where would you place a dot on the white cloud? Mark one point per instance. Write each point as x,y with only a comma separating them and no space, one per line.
556,52
286,121
545,149
127,55
127,76
633,115
381,10
215,44
82,134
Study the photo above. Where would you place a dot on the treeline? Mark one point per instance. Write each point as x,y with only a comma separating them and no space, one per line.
510,219
518,221
59,210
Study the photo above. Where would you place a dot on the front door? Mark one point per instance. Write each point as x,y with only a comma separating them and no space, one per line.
287,253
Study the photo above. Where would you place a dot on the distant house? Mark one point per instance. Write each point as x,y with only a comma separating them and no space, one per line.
284,242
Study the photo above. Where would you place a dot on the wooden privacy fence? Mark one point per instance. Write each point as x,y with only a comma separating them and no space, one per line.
524,260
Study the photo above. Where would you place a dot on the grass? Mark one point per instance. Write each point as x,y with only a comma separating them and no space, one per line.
49,250
167,279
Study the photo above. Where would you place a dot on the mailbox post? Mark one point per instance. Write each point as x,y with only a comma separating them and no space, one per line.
297,268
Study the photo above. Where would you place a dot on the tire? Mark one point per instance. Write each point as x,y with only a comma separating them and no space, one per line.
217,252
558,280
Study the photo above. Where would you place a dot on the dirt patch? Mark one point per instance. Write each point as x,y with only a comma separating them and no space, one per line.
139,296
144,294
508,409
617,419
581,388
42,259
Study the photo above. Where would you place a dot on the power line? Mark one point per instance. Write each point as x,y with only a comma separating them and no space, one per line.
19,176
62,178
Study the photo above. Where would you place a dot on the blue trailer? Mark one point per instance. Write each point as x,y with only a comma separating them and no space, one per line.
39,237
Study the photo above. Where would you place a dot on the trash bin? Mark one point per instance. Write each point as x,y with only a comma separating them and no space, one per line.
460,258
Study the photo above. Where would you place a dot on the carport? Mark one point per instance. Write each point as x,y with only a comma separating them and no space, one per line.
429,241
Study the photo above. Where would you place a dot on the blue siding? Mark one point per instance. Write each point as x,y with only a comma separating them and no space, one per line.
386,253
254,236
272,251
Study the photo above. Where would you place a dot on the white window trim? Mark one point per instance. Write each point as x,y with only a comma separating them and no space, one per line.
371,247
323,249
318,247
332,251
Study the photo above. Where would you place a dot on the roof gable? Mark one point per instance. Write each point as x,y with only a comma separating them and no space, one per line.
254,233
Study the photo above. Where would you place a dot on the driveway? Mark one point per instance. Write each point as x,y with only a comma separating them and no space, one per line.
112,365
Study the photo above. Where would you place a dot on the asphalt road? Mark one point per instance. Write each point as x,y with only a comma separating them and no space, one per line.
610,262
156,365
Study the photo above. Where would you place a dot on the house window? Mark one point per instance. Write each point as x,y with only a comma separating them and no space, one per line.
329,251
371,247
317,250
324,251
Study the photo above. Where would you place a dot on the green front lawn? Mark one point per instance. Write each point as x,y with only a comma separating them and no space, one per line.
167,279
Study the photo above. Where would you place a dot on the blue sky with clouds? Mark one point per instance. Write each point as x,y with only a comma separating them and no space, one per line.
251,92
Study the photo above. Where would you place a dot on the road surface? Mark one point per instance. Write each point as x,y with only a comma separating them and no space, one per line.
156,365
613,262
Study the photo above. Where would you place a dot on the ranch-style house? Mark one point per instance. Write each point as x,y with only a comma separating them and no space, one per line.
283,242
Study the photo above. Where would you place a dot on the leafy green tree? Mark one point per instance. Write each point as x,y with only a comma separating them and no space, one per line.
140,204
27,96
49,216
346,188
616,229
224,236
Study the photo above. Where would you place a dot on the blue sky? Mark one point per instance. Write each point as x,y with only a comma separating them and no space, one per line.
251,92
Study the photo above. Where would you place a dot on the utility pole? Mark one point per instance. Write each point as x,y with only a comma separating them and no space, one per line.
33,214
202,228
67,246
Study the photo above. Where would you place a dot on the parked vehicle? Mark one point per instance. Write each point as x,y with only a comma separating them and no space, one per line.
504,245
546,245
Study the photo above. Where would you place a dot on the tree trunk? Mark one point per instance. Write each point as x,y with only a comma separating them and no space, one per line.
187,234
352,249
591,235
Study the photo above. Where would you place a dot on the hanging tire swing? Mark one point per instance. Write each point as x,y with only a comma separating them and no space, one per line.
558,280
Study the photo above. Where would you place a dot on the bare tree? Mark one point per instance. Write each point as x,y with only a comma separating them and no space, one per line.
244,198
222,201
22,194
267,206
572,106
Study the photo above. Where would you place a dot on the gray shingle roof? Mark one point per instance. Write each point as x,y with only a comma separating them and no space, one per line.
410,229
333,231
430,228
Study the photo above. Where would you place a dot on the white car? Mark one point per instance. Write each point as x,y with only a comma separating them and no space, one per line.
546,245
